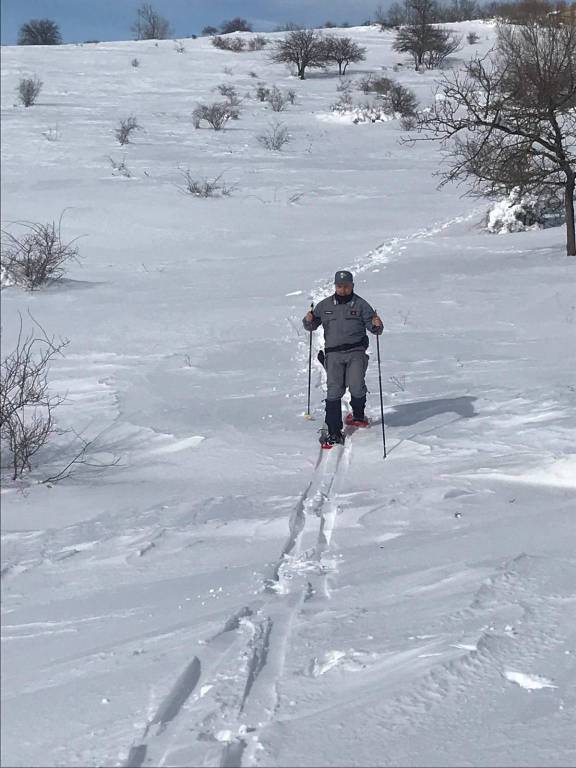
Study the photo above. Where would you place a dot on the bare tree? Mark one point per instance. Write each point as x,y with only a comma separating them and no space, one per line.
26,404
149,25
509,120
39,32
343,51
235,25
427,44
304,48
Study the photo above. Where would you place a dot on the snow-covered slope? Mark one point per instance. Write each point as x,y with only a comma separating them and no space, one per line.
226,595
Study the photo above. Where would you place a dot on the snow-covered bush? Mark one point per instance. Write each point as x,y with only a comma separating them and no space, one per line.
519,212
28,90
216,115
400,99
36,257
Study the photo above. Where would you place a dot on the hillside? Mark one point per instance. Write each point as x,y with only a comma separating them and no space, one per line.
209,588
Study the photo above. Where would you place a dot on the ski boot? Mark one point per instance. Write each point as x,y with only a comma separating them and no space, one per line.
356,421
330,439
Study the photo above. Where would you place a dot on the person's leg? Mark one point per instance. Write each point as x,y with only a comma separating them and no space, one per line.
336,375
356,382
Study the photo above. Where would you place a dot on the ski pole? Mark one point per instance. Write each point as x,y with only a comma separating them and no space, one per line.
381,402
307,414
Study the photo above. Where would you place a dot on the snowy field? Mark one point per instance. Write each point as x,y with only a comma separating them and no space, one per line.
228,594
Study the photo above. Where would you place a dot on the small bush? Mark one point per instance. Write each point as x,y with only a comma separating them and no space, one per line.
230,93
216,115
36,257
120,168
409,122
179,48
520,211
365,83
257,43
125,129
28,90
402,100
472,38
275,138
26,404
135,63
52,134
204,187
277,100
234,44
262,92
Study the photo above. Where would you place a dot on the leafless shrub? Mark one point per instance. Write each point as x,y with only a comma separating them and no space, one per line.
216,115
228,71
262,92
253,74
291,95
179,48
230,93
120,168
28,90
275,138
135,63
472,38
257,43
399,382
277,99
36,257
52,133
409,122
402,100
26,405
125,129
234,44
365,83
205,187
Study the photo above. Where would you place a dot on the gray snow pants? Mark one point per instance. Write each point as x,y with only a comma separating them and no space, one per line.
346,369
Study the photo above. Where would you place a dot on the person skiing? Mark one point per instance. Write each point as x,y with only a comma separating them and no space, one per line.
345,317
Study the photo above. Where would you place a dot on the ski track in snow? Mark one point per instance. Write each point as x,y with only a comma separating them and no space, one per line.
255,638
259,634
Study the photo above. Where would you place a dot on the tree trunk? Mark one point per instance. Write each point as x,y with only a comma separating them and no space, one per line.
301,71
569,204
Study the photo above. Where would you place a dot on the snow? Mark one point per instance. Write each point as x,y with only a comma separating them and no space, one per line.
212,588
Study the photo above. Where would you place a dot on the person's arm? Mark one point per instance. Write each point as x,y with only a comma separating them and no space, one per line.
371,320
311,321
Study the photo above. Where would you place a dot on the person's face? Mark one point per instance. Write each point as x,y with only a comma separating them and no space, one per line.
344,289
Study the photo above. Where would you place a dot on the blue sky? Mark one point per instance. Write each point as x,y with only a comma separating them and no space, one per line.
81,20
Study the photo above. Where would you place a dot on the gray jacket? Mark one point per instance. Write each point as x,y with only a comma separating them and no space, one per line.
344,324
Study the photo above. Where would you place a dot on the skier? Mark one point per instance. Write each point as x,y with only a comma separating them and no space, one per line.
345,318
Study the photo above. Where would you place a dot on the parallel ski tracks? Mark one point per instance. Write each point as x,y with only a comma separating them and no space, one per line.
228,693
